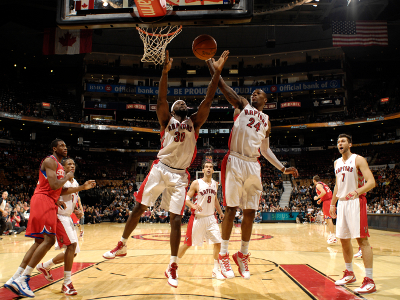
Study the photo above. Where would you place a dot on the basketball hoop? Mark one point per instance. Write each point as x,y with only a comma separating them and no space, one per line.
155,41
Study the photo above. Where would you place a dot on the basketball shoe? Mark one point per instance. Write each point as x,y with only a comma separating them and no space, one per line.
68,289
170,273
22,283
45,272
358,254
216,273
242,261
348,277
368,286
331,239
225,266
120,250
81,235
11,286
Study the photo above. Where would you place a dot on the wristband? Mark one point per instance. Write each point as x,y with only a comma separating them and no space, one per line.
356,192
284,169
187,198
333,205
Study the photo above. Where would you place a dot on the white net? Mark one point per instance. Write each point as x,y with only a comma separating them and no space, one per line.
155,41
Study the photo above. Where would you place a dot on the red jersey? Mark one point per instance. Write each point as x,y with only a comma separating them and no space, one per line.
43,186
328,195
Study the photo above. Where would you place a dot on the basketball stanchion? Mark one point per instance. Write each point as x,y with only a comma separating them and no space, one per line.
155,41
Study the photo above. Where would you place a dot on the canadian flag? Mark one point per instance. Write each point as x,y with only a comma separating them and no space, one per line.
58,41
84,4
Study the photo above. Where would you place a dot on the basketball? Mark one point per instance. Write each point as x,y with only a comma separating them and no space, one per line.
204,47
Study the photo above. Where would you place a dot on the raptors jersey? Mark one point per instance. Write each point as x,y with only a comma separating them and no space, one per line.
328,195
206,197
348,177
249,130
178,144
69,199
43,186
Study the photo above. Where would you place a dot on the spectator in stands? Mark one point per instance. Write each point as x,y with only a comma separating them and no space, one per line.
15,219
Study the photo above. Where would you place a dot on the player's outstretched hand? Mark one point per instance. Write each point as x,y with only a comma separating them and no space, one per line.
332,211
167,62
78,213
61,204
319,201
292,171
197,207
219,64
89,184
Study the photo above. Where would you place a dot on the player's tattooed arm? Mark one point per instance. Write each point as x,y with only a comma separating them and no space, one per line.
201,115
162,110
231,96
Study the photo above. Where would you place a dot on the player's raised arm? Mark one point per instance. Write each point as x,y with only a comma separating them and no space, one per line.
194,187
201,115
50,167
162,110
237,101
270,156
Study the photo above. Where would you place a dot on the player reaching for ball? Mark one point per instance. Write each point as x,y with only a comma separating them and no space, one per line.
203,223
168,174
240,170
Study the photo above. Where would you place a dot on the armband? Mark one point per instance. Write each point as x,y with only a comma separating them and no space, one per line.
188,198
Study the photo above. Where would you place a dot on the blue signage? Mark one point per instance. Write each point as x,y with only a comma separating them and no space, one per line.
279,216
200,91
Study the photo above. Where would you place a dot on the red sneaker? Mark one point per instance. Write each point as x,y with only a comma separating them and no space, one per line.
68,289
120,250
348,277
45,272
368,286
242,261
170,273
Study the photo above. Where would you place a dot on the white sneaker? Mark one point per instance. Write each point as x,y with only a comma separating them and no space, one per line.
242,261
11,286
216,273
170,273
120,250
348,277
368,286
332,240
358,254
225,266
45,272
22,283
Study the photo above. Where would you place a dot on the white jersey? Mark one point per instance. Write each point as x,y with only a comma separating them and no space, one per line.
348,177
206,197
249,130
178,144
69,199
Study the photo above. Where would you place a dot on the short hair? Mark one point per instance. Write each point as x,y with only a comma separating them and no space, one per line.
206,161
64,161
54,143
316,178
347,136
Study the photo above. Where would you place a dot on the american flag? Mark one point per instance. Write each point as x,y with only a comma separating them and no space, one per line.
359,33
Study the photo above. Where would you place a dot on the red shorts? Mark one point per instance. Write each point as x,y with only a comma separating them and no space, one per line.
188,237
43,217
74,218
326,206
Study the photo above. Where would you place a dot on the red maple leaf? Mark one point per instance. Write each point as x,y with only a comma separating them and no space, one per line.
67,40
84,5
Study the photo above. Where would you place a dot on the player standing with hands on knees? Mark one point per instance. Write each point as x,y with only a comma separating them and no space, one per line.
168,174
353,180
203,223
43,223
240,171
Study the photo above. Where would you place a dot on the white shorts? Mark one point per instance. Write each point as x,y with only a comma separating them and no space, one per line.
68,234
200,228
241,181
170,182
351,220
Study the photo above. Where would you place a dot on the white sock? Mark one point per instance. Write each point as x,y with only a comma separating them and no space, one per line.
178,259
18,273
67,277
28,271
224,247
244,247
123,240
173,259
368,272
48,264
349,266
216,264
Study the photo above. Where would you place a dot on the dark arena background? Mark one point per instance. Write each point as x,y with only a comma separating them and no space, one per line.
75,70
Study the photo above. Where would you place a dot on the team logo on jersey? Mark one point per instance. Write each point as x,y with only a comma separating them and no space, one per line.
61,240
60,173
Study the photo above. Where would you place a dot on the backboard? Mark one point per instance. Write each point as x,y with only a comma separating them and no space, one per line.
81,14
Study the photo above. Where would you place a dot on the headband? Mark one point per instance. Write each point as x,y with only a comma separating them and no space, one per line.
172,107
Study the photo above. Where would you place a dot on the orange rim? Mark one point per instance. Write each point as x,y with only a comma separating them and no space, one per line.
157,34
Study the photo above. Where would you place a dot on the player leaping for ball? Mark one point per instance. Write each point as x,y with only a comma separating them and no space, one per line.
202,223
168,174
240,170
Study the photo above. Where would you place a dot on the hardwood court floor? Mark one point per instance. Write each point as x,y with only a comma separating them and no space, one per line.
288,261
